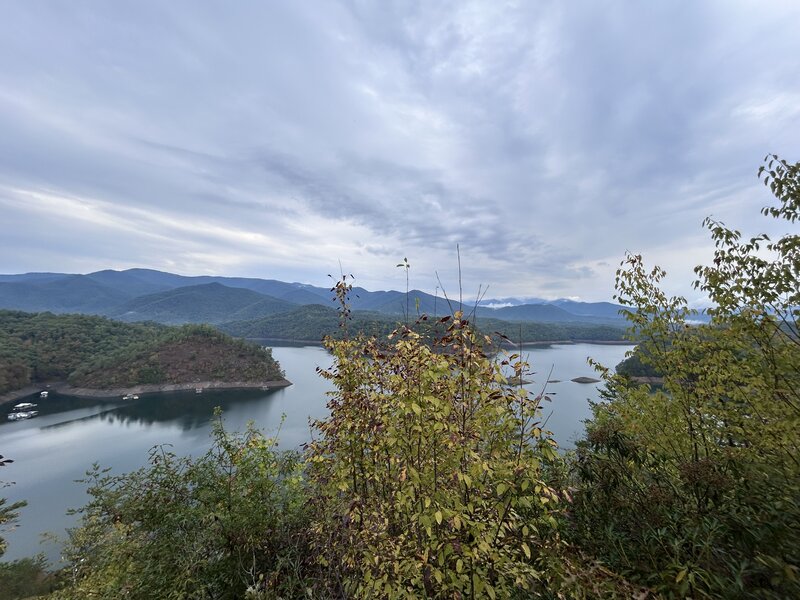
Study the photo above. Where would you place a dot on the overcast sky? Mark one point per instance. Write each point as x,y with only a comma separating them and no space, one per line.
275,139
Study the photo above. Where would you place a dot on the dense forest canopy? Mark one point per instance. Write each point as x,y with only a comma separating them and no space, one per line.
96,352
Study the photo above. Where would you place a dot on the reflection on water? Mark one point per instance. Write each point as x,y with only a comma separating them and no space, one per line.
187,410
56,448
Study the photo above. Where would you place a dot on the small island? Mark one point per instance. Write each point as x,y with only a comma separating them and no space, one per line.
90,356
585,380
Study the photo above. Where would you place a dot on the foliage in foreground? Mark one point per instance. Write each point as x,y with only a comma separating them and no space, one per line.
695,489
431,478
226,525
428,478
27,578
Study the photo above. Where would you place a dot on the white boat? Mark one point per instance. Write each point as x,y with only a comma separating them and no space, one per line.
43,394
23,414
198,390
25,406
130,397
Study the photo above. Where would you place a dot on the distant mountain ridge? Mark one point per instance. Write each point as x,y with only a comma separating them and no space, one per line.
151,295
312,322
205,303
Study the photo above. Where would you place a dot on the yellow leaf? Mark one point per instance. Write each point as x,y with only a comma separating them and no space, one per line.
526,549
416,408
438,517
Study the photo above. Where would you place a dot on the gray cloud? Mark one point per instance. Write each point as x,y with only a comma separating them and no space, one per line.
274,139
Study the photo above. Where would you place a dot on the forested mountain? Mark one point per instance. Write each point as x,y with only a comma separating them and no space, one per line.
250,312
309,323
108,292
132,283
206,303
531,312
93,351
31,277
146,294
73,293
314,322
589,309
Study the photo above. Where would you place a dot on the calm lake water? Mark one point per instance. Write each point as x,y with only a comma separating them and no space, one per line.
56,448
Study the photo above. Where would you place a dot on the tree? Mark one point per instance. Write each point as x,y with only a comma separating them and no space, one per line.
695,488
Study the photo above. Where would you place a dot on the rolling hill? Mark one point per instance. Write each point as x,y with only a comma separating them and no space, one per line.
207,303
313,322
97,352
72,293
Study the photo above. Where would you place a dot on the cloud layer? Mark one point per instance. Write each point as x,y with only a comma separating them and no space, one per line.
277,139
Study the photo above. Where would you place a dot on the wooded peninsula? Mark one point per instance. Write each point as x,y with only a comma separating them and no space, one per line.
101,354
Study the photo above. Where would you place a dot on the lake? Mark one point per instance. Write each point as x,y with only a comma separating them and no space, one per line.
56,448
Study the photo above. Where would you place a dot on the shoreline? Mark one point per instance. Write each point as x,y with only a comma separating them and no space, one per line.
647,380
513,344
63,388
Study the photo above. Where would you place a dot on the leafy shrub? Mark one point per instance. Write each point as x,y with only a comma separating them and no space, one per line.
429,476
695,489
225,525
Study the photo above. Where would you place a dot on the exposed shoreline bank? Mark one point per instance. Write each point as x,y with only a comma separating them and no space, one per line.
512,344
62,387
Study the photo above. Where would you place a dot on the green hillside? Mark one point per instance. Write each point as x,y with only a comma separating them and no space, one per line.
310,323
70,293
207,303
180,355
314,322
97,352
